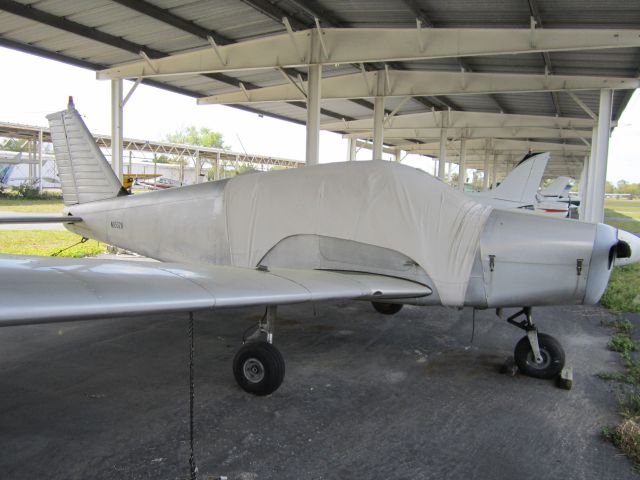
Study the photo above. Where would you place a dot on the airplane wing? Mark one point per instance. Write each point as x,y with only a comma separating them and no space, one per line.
51,289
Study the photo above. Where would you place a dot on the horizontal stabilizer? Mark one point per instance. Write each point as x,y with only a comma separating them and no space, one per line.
77,289
39,219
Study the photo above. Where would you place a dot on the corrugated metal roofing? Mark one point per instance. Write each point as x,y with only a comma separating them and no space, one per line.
163,27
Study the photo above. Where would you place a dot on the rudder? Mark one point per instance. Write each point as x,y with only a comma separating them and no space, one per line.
85,175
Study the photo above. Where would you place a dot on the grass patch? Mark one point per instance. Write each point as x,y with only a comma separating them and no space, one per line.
626,435
632,226
16,204
623,291
46,242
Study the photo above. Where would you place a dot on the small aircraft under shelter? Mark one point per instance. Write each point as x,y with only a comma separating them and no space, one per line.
374,230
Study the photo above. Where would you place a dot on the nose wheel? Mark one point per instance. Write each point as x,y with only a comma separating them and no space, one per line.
551,357
258,366
537,354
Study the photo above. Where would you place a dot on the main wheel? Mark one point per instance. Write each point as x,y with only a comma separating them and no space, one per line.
387,308
552,357
258,368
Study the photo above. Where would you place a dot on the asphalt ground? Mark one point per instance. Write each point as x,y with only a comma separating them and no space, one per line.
365,396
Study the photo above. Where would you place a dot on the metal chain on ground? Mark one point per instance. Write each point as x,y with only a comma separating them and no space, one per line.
192,463
84,239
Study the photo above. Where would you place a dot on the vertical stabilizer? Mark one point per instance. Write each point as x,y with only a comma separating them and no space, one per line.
558,188
85,175
521,185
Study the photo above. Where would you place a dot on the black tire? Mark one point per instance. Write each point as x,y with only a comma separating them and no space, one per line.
552,357
258,367
387,308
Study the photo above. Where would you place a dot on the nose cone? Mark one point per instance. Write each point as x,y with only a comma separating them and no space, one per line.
628,248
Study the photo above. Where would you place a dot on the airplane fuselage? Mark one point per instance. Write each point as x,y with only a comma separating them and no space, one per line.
522,259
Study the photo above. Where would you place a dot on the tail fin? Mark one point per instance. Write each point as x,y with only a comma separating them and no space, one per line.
558,188
85,175
521,185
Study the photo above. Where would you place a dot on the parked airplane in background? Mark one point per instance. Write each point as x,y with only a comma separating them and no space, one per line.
161,183
353,230
554,199
128,179
520,186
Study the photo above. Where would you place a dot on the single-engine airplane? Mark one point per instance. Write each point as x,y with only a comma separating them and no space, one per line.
375,231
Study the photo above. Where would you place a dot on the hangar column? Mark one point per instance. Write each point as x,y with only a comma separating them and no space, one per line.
462,170
485,176
442,159
313,114
586,191
116,127
353,143
494,171
583,188
597,181
378,130
40,149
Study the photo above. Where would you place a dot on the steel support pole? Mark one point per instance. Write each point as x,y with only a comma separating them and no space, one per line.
378,130
442,160
462,171
353,144
598,180
116,127
313,114
40,149
494,171
485,172
198,167
582,186
587,192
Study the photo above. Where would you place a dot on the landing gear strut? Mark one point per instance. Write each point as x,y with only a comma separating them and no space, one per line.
258,366
536,354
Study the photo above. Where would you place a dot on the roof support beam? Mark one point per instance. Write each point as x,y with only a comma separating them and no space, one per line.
357,45
70,26
456,119
425,83
476,132
58,57
96,35
497,144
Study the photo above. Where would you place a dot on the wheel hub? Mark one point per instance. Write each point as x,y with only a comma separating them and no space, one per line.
546,360
253,370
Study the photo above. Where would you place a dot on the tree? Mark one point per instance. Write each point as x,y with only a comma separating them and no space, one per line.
609,187
13,145
202,137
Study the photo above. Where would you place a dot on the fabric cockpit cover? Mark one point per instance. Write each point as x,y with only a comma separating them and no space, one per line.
375,202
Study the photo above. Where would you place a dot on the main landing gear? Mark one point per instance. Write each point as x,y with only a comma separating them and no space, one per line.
387,308
258,366
536,354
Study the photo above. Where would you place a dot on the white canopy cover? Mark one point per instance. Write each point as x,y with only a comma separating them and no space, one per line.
376,202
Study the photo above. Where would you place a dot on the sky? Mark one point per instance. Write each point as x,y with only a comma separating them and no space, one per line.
33,87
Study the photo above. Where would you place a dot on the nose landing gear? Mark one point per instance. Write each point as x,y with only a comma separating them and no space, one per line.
537,354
